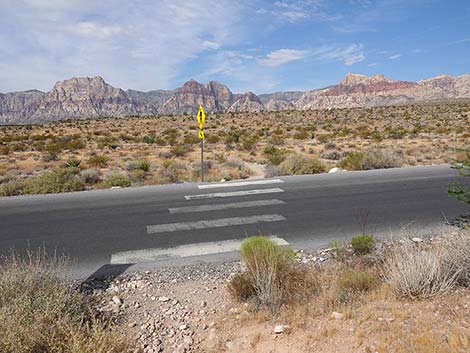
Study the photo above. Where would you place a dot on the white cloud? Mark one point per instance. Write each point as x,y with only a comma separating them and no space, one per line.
95,30
394,56
283,56
207,44
141,44
349,54
294,11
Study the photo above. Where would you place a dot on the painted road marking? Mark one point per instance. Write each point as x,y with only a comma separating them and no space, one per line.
240,183
197,249
226,206
232,194
213,223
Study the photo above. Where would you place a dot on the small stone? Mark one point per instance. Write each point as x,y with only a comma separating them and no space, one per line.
183,327
163,299
132,324
417,240
203,304
116,300
278,329
337,316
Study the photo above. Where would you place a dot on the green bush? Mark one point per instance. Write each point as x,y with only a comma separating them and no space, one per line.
353,282
297,164
98,161
272,276
362,244
72,162
353,161
41,313
119,180
57,181
457,189
144,165
339,249
12,188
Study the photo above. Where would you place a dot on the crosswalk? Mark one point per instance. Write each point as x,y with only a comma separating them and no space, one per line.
203,220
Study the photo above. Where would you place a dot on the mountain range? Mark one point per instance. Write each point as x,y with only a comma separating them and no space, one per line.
84,97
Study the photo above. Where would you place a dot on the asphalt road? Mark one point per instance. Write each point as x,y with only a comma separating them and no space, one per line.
158,223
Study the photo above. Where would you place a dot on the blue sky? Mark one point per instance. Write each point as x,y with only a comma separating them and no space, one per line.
258,45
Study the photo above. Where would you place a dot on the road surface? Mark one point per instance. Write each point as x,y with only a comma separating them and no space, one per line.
169,224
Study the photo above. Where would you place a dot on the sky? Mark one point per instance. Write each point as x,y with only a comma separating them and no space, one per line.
258,45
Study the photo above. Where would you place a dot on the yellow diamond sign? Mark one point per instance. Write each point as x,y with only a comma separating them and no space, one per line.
201,117
201,134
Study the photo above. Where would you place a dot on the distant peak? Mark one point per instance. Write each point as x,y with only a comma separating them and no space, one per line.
351,79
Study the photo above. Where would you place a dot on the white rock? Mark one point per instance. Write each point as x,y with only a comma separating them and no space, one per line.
337,316
278,329
334,170
116,300
417,240
163,299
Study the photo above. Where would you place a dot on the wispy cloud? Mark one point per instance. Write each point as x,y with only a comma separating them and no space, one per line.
294,11
460,41
141,44
349,54
283,56
394,56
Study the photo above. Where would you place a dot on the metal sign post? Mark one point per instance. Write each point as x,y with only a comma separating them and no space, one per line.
201,117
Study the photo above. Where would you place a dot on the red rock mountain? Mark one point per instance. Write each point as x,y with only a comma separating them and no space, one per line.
80,98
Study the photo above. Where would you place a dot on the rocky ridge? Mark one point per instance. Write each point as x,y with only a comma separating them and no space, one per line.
83,97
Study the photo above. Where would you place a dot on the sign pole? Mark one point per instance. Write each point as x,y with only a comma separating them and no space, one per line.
202,160
201,117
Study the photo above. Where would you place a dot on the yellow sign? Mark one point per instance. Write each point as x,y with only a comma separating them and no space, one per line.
201,117
200,134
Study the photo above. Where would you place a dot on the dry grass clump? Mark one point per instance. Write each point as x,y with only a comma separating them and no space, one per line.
272,277
297,164
40,313
420,271
382,159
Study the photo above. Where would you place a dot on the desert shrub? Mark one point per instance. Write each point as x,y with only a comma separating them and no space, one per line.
274,155
353,161
272,276
297,164
90,176
120,180
179,150
457,189
56,181
331,154
419,272
149,139
362,244
12,188
137,176
458,255
72,162
339,249
381,159
271,171
191,139
174,171
41,313
98,161
350,283
143,164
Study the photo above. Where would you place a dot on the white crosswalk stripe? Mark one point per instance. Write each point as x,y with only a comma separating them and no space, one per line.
197,249
233,194
240,183
226,206
213,223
